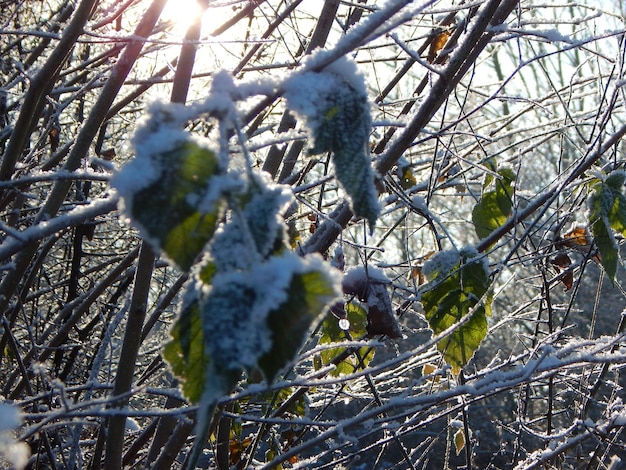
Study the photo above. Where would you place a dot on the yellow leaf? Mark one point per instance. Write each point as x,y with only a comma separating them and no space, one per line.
459,441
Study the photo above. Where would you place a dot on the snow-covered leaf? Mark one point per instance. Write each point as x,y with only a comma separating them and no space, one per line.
257,228
336,109
174,206
259,317
309,293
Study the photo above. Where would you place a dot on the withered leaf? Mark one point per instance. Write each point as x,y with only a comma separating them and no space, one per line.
437,44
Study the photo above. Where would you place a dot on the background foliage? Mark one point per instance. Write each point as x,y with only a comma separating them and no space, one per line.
482,322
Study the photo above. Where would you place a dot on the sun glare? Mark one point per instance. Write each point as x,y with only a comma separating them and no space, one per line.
182,13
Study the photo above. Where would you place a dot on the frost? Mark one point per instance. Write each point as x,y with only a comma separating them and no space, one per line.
419,203
220,101
363,274
441,263
235,332
230,183
470,254
306,95
338,260
357,279
16,453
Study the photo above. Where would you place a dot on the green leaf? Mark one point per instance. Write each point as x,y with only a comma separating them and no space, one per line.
450,299
617,215
168,210
494,207
606,246
332,333
309,294
607,212
185,353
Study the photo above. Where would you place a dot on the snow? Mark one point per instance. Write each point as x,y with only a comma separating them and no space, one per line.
251,233
470,254
342,67
357,279
420,204
358,274
15,453
441,263
306,95
230,183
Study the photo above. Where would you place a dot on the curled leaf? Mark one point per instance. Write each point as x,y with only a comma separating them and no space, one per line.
336,109
437,44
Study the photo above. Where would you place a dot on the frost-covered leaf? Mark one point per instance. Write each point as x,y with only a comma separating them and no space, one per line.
171,197
259,317
265,204
452,296
185,352
356,317
616,180
354,172
494,206
235,332
257,228
309,293
336,109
